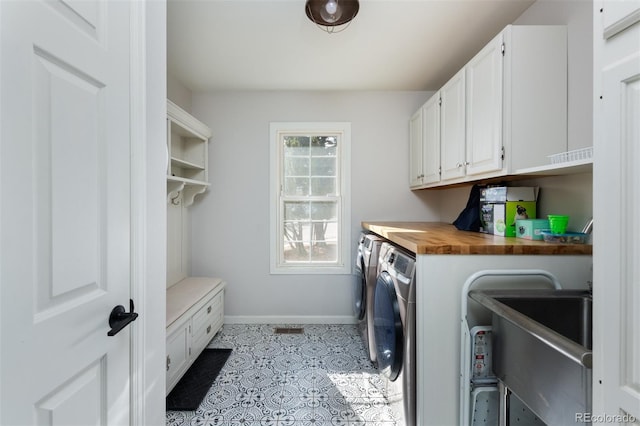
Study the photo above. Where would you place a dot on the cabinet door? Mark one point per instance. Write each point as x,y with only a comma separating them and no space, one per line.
452,127
178,351
415,149
431,141
484,76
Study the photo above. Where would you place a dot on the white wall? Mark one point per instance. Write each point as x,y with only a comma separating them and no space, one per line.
178,93
230,222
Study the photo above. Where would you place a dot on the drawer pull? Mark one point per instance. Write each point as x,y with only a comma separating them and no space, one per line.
208,329
209,310
168,362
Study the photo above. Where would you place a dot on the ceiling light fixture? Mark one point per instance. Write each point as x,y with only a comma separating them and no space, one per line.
329,14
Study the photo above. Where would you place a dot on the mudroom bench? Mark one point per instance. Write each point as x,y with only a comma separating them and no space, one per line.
195,312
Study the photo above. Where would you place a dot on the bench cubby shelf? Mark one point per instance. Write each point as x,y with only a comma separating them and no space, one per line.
187,147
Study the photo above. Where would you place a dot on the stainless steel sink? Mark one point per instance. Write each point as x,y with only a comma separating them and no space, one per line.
542,348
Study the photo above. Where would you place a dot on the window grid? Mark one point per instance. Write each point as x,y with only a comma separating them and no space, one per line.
310,212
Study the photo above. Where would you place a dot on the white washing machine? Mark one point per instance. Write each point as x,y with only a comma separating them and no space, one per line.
395,329
364,288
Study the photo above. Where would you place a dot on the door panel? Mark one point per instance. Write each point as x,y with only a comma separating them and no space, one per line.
431,141
86,16
484,109
67,109
78,398
619,15
65,167
453,126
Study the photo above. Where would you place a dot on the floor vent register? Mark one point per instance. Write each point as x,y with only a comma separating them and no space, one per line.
288,330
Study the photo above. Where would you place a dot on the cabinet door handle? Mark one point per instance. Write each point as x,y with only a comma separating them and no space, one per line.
209,310
168,362
208,329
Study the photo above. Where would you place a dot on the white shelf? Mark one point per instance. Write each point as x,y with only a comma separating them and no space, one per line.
189,188
187,181
558,169
187,143
178,162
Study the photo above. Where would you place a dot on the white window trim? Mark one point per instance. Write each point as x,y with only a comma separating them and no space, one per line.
344,247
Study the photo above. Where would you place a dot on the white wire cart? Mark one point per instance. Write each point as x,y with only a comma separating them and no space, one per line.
480,399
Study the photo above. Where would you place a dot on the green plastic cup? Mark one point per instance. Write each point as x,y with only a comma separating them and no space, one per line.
558,223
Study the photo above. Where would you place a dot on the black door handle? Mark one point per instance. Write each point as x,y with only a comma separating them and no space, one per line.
120,318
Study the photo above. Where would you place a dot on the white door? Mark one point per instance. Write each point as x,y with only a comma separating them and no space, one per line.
64,212
484,77
616,287
453,127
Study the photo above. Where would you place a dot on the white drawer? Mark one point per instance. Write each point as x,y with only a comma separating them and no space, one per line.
206,322
205,316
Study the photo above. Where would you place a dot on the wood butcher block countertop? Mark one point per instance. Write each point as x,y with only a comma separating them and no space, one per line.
444,238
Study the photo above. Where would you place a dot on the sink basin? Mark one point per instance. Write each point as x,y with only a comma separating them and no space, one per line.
542,348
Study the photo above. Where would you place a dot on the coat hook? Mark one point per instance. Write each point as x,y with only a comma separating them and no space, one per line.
175,200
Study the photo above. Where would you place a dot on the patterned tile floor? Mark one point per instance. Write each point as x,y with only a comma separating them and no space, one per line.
319,378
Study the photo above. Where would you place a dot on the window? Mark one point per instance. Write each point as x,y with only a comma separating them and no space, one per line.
310,208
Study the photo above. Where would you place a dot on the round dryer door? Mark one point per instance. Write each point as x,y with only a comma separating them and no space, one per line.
388,327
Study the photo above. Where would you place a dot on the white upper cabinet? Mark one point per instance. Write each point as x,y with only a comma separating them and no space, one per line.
484,90
517,101
431,141
437,136
424,147
535,96
505,112
452,128
415,149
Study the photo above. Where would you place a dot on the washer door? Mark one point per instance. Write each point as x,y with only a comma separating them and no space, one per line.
388,327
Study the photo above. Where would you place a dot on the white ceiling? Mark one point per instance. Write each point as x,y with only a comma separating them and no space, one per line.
217,45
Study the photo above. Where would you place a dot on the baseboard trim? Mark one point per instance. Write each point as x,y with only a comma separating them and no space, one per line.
293,319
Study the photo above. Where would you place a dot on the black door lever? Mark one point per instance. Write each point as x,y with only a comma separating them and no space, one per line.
120,318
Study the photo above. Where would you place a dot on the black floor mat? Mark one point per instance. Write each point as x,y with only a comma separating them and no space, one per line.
193,386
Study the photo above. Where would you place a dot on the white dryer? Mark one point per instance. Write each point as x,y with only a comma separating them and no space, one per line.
364,288
395,330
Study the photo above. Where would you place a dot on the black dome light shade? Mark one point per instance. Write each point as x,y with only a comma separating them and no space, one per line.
331,13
